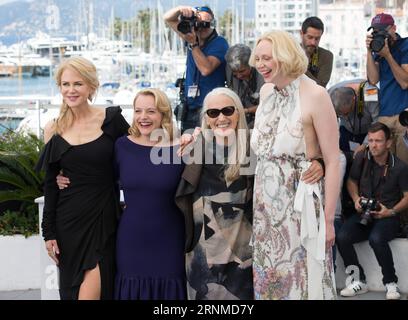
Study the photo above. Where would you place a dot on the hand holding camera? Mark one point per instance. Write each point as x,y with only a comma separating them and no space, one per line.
186,11
377,42
190,21
370,207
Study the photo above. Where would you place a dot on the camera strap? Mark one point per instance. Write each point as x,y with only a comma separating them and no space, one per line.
314,60
197,74
359,104
375,186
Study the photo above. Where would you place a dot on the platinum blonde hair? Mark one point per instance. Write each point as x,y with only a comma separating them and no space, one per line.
287,51
239,149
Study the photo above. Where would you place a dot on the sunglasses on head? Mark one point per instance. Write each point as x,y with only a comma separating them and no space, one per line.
226,111
204,9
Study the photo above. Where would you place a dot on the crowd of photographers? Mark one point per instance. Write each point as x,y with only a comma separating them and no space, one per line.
373,123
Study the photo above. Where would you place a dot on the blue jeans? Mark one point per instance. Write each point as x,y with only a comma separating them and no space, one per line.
378,234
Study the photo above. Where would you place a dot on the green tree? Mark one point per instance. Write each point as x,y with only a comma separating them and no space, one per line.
117,28
138,28
143,17
225,25
19,152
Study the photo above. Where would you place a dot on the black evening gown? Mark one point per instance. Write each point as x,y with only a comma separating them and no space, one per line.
83,217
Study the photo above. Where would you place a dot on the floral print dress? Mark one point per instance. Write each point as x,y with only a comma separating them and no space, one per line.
280,261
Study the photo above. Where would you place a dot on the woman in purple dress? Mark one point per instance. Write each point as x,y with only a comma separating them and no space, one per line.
150,238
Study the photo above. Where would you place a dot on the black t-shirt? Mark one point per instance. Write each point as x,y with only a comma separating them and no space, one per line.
384,184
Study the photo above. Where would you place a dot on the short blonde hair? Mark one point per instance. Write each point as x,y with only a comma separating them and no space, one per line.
231,171
162,103
287,51
87,71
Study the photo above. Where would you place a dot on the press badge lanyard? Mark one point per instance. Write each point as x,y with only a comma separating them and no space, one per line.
358,110
193,90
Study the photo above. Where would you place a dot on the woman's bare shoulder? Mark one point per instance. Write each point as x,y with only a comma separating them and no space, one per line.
49,130
313,94
266,89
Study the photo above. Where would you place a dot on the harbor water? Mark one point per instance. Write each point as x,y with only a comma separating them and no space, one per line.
19,86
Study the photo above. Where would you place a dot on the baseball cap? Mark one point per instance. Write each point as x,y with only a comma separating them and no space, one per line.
381,21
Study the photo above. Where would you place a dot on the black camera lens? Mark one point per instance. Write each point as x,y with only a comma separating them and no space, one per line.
403,118
378,41
368,205
184,26
377,44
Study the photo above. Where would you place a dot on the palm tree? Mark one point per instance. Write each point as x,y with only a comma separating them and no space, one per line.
19,152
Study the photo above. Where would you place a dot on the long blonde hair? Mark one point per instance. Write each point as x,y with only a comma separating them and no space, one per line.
87,71
287,51
239,150
162,103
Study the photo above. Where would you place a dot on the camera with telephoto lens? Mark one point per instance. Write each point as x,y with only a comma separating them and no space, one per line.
187,24
368,205
378,41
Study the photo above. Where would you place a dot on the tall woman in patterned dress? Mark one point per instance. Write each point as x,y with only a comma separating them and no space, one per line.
293,229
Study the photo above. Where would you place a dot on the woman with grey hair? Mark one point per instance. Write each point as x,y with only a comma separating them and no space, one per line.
243,79
215,195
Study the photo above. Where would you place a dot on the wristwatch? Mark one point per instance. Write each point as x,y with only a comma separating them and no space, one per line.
393,213
193,45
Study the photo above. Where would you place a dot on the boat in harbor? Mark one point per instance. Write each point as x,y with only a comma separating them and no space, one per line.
7,67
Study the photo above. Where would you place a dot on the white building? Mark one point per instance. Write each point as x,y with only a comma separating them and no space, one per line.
285,15
346,23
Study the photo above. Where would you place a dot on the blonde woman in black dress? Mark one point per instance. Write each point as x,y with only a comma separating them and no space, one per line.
79,222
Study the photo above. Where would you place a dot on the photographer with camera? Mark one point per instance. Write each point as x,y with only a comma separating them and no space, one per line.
378,185
243,79
205,57
320,60
387,63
